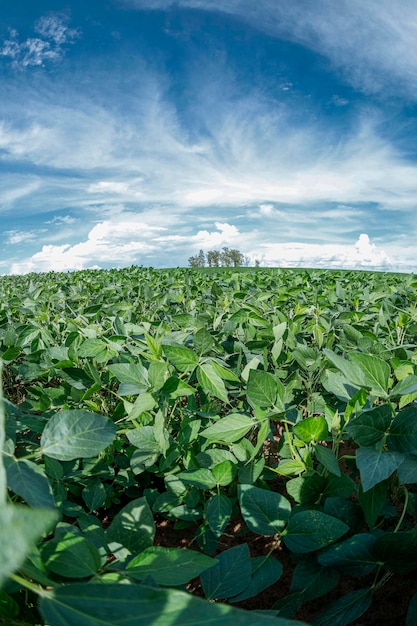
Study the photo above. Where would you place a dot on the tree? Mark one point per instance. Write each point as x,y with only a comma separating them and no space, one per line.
199,260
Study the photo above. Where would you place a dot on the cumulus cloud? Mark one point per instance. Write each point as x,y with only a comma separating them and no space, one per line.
54,33
362,255
125,240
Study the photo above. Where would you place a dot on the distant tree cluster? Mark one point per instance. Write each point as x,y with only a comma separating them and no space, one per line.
214,258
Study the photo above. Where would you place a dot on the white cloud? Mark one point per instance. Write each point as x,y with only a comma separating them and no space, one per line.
15,237
125,240
36,51
372,42
362,255
62,219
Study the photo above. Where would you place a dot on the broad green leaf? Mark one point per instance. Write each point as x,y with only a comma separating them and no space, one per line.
224,373
94,494
403,432
96,349
376,372
218,513
203,341
76,434
211,382
29,481
363,370
354,555
265,512
229,429
71,556
262,389
176,388
370,427
405,386
133,527
407,471
143,403
312,530
183,359
372,501
224,473
375,466
312,579
311,429
20,528
130,373
250,473
169,566
96,604
213,456
327,458
230,576
148,449
397,550
346,609
265,572
201,477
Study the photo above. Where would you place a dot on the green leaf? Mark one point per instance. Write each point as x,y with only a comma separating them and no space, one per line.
94,494
133,527
311,429
372,501
96,604
148,448
211,382
169,566
20,528
130,373
218,513
183,359
375,466
327,458
76,434
313,580
203,341
397,550
407,471
265,572
265,512
223,372
376,372
346,609
354,555
230,576
403,432
370,427
201,477
405,386
28,480
363,370
229,429
312,530
224,473
71,556
262,389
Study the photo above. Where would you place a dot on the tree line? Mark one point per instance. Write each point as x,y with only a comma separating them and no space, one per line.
227,257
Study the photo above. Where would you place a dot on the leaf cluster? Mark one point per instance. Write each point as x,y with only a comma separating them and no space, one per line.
286,400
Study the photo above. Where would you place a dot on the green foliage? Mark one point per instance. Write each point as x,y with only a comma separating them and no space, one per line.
286,401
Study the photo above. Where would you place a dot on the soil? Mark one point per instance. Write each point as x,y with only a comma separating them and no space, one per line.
389,605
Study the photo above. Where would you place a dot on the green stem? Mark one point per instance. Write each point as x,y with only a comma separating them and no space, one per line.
400,521
28,585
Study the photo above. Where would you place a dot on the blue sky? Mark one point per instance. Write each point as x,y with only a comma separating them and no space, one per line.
141,131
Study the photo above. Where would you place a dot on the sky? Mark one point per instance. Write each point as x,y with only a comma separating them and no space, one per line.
137,132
